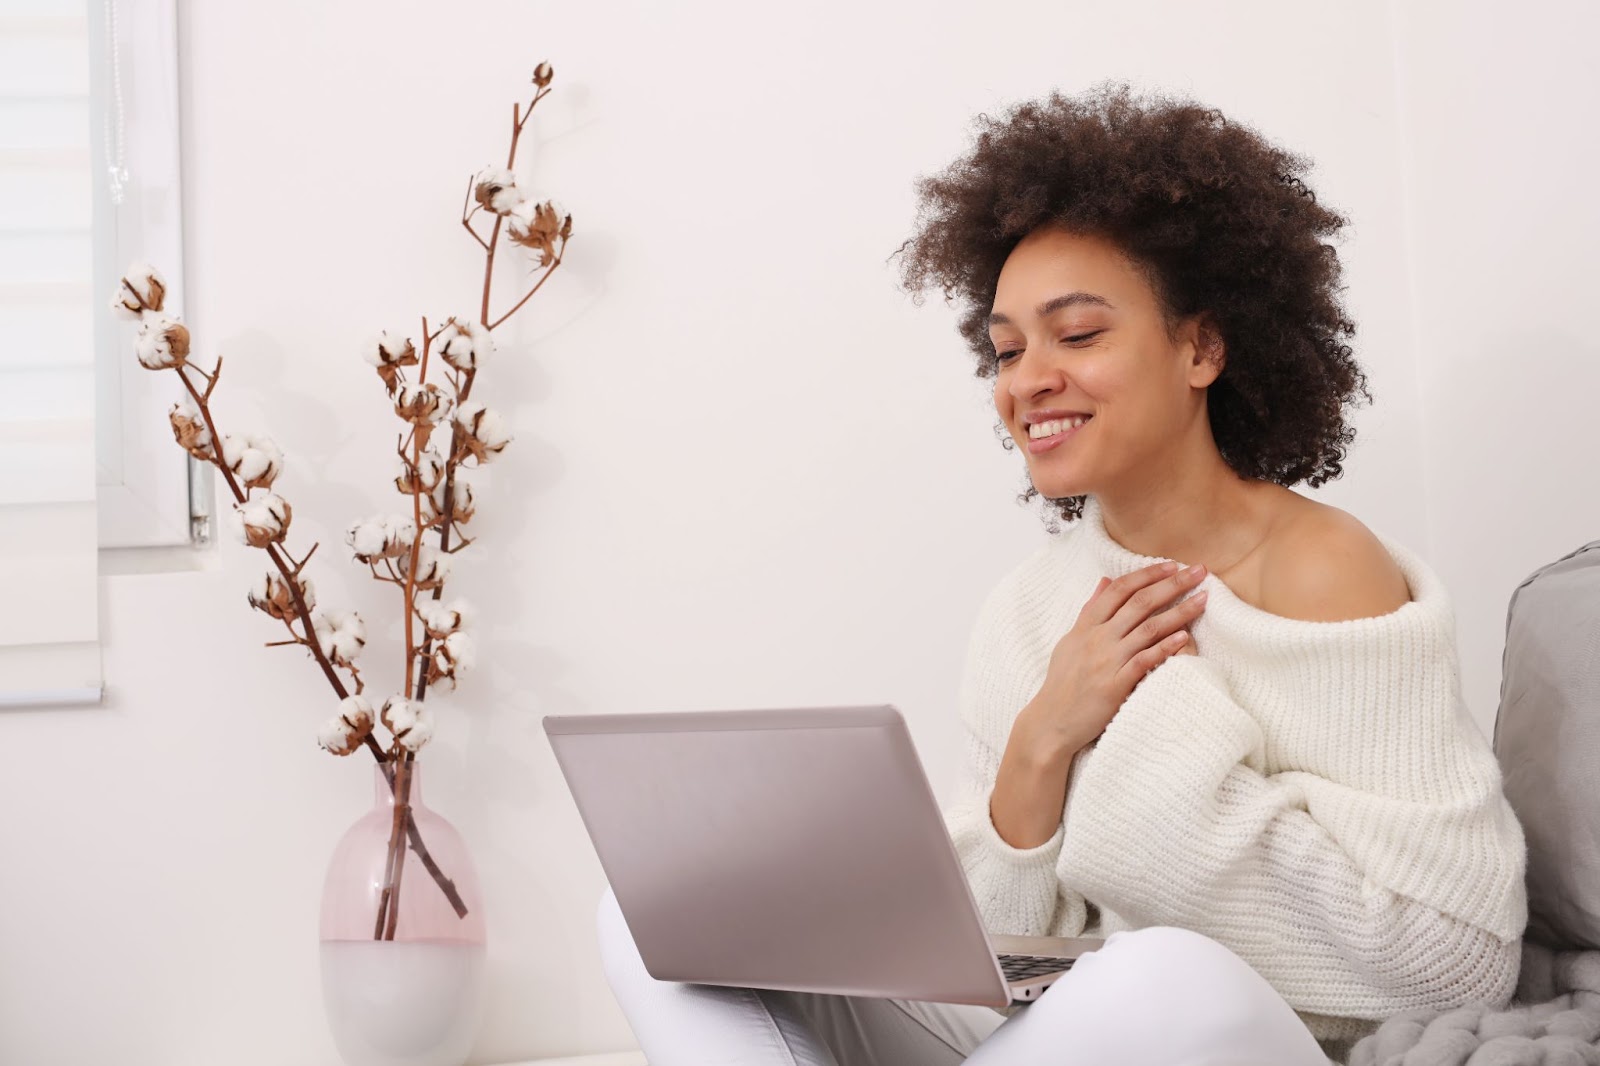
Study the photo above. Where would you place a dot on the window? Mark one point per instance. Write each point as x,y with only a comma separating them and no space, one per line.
143,479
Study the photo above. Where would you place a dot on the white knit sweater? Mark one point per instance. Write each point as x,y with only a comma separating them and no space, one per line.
1314,795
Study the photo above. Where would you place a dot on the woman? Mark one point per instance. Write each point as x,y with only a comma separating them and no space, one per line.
1273,804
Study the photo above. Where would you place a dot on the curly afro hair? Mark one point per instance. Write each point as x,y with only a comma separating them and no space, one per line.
1215,217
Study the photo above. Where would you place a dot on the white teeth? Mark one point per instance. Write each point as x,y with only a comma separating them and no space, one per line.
1050,429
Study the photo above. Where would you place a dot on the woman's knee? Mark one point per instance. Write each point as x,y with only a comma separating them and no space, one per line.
1163,966
1170,944
1165,994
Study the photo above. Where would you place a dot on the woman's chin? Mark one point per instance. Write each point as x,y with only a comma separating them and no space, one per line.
1059,488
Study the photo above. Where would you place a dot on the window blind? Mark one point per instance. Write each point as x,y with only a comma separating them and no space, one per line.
49,631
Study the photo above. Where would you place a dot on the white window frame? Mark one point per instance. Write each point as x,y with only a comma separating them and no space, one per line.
150,492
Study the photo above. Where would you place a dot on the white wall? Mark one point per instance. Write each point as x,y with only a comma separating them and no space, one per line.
1499,161
748,471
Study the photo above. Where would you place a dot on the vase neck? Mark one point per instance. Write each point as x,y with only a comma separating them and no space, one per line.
383,793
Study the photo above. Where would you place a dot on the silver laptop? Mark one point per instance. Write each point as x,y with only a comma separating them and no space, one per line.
790,849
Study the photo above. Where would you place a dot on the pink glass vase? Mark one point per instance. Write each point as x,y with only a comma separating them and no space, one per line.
402,941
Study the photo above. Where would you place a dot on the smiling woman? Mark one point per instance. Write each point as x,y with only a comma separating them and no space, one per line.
1109,242
1146,286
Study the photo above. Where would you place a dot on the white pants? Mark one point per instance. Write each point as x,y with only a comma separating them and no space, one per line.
1158,996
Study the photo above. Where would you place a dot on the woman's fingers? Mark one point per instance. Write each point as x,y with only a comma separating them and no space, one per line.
1107,602
1164,623
1152,598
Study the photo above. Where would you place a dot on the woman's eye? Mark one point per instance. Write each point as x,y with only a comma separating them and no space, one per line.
1001,357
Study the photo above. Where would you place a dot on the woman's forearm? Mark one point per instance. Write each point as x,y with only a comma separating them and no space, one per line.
1030,789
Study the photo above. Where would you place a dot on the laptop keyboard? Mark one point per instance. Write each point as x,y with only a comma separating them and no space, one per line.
1018,967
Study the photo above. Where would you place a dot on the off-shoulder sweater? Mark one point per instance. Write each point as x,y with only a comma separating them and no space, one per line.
1313,795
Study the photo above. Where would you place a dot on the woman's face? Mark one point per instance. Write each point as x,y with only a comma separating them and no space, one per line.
1078,329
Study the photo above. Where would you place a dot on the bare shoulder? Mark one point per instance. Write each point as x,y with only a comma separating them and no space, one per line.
1324,565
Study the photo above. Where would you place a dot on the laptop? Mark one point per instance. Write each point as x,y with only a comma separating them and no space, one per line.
792,848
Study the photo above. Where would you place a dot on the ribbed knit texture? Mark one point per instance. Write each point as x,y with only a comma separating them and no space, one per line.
1313,795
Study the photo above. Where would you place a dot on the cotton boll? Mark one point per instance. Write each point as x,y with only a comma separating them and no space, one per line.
433,566
439,620
347,730
422,476
421,404
123,304
498,176
261,595
523,214
254,459
390,349
381,537
389,352
147,280
463,651
484,431
491,429
461,493
163,341
464,342
401,531
357,710
397,714
503,199
482,341
496,189
349,636
140,288
451,657
536,225
401,715
367,539
272,595
337,736
189,429
340,634
261,521
420,733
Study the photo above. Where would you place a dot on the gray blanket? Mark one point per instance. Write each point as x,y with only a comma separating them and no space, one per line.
1553,1020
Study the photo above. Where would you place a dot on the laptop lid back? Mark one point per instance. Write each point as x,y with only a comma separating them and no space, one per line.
795,848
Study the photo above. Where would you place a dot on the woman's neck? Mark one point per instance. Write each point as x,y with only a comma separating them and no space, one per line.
1218,522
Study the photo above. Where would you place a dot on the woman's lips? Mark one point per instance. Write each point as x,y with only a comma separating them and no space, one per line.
1044,444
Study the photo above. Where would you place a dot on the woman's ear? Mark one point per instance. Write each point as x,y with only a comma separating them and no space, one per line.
1210,352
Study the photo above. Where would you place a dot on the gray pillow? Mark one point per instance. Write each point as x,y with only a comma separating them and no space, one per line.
1547,738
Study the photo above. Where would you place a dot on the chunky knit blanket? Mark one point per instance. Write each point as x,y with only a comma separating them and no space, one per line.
1553,1020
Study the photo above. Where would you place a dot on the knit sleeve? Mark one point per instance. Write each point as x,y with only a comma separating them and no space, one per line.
1016,889
1352,901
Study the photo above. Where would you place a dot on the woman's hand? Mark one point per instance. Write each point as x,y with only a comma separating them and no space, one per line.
1124,630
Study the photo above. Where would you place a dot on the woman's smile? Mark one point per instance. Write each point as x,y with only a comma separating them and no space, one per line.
1065,430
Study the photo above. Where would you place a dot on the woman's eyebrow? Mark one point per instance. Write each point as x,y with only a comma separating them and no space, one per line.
1054,304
